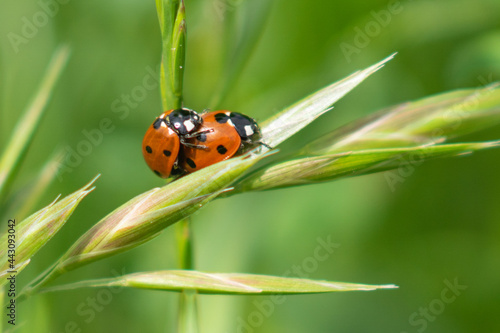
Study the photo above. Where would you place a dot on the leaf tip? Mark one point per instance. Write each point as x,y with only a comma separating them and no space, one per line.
389,286
92,182
382,63
491,144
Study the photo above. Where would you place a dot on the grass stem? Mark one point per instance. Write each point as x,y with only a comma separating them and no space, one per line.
187,319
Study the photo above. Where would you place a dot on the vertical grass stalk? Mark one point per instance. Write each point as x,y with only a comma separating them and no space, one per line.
184,244
187,320
188,314
172,17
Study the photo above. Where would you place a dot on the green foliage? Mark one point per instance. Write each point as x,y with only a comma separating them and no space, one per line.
36,230
222,283
292,119
400,137
146,215
321,168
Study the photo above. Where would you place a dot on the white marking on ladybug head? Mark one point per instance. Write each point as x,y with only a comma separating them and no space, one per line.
177,125
248,130
163,124
189,125
170,132
230,122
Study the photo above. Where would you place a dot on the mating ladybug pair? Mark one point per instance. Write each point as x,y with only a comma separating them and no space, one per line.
182,141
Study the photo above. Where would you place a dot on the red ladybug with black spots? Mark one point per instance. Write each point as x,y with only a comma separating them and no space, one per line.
223,134
181,141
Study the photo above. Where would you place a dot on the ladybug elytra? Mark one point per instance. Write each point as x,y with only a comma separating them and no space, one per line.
225,134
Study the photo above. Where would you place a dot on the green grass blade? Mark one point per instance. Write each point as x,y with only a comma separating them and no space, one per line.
429,120
223,283
291,120
381,141
172,19
25,130
146,215
321,168
35,231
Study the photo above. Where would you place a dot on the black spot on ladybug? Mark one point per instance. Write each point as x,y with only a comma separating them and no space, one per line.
149,150
221,149
157,123
167,153
221,118
157,173
191,163
202,137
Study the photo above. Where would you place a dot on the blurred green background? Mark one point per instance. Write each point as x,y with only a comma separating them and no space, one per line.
440,224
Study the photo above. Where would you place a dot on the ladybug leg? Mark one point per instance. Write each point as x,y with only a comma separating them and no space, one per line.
192,145
195,134
253,143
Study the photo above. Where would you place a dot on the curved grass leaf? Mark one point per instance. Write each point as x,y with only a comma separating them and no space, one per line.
26,127
429,120
321,168
146,215
35,231
291,120
223,283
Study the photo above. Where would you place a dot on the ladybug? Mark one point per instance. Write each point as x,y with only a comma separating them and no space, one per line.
224,134
163,139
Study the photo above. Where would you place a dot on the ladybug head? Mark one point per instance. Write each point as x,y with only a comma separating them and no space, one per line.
184,121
